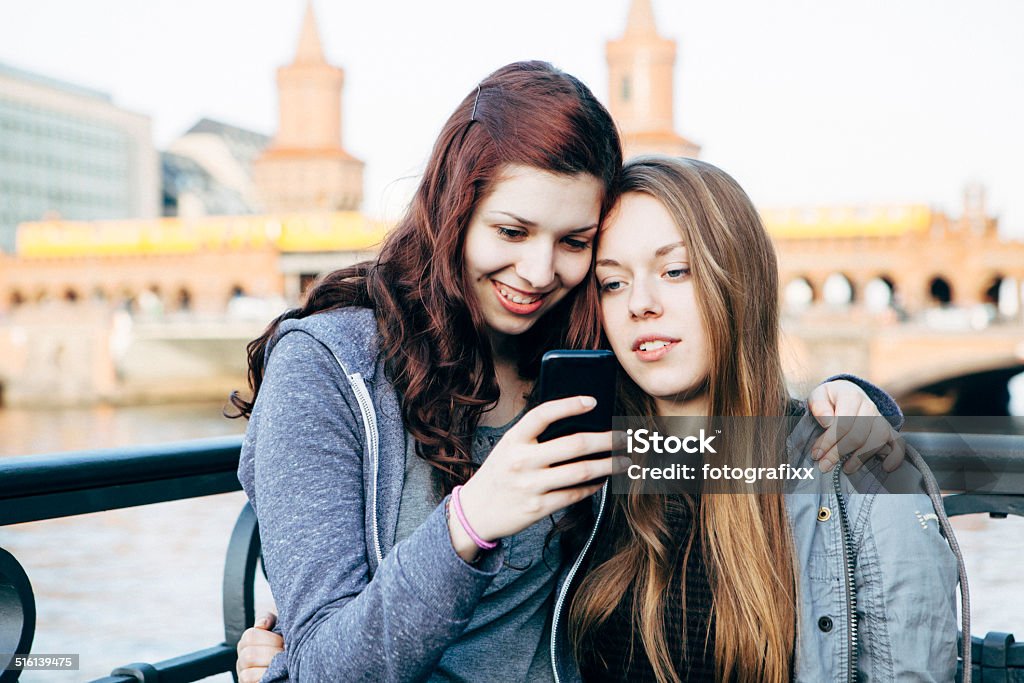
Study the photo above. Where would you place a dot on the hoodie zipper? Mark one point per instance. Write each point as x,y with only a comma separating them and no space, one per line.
362,395
369,416
850,562
568,582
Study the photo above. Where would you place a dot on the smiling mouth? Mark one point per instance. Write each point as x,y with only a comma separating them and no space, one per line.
518,301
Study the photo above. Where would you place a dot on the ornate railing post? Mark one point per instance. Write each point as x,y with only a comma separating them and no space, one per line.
239,576
17,612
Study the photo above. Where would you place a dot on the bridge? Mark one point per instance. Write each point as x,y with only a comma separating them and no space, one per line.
926,304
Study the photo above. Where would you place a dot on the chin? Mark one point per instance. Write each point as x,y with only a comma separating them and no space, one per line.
509,325
674,390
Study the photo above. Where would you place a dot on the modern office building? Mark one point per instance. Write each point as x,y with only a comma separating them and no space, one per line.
68,152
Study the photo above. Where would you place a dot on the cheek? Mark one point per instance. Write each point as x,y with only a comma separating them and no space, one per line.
480,256
612,322
573,268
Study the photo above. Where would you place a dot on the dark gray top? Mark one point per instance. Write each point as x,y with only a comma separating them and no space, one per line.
512,615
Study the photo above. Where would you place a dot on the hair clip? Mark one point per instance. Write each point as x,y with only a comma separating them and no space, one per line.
472,117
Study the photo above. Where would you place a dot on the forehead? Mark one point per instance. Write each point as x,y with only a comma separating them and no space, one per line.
638,225
548,199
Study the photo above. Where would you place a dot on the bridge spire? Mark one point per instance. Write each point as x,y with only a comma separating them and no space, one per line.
641,91
310,49
640,21
306,167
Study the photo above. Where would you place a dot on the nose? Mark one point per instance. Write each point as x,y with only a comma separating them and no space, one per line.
644,301
537,265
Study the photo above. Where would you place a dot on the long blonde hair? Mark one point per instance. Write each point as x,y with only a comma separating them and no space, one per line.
745,537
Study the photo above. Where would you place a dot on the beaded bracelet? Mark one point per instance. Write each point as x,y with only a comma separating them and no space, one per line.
457,504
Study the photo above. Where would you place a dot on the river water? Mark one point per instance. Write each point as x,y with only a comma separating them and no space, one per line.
143,584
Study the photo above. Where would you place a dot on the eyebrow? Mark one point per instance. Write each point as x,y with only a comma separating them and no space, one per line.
668,248
517,219
659,252
532,224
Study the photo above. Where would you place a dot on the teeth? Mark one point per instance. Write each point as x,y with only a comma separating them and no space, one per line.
652,345
517,298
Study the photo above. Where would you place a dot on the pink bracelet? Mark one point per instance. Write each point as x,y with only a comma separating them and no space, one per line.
457,504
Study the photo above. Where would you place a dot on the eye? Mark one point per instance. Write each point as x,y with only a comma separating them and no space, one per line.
677,273
509,233
612,286
576,244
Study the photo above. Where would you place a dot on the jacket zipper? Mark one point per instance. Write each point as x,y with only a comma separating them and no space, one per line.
369,416
568,582
850,563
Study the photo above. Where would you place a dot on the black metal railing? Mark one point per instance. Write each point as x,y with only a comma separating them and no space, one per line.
41,487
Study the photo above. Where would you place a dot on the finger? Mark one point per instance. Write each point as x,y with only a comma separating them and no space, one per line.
824,445
819,405
895,458
537,420
574,446
563,498
257,657
883,438
251,675
246,639
856,460
824,442
266,620
260,637
851,403
576,473
830,454
878,436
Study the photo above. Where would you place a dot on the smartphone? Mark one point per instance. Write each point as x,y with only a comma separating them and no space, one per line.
565,373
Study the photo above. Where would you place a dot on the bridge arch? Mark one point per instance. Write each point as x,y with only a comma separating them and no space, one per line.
183,300
125,298
880,293
838,290
1003,293
972,386
984,392
940,291
798,294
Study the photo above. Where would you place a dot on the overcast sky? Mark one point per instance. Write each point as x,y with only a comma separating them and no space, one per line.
804,101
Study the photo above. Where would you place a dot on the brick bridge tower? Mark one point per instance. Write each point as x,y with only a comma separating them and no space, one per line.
641,66
305,167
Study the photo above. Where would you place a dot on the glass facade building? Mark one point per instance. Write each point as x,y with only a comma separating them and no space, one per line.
68,152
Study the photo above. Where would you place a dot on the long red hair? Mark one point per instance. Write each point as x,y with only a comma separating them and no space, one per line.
432,334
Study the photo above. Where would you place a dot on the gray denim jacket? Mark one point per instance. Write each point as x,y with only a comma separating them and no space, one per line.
323,463
891,559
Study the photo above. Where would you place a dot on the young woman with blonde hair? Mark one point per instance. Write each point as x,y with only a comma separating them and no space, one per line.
740,586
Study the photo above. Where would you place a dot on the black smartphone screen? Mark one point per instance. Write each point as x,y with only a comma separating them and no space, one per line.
565,373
